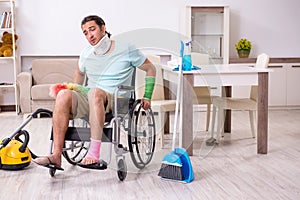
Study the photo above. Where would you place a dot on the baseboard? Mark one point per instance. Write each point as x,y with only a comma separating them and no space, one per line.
203,108
284,107
7,108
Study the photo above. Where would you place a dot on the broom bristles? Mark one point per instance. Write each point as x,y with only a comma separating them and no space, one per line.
170,171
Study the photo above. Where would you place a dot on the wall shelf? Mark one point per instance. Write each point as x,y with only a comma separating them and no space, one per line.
9,66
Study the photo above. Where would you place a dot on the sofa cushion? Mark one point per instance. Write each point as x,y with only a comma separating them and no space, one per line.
41,92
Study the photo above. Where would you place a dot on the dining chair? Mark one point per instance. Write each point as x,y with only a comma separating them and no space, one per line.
202,93
221,104
159,104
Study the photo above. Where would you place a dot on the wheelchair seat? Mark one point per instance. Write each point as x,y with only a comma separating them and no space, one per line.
83,133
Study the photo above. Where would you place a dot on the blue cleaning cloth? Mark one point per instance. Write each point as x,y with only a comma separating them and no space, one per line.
193,68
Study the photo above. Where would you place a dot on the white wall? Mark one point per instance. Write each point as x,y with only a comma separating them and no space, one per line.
52,27
272,26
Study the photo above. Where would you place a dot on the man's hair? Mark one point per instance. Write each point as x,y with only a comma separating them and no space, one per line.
98,20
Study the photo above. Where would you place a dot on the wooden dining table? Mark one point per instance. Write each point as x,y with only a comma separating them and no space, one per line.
224,75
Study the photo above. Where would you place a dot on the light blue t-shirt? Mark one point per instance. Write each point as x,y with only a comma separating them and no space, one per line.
109,71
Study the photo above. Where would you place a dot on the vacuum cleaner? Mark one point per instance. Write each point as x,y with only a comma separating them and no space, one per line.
14,152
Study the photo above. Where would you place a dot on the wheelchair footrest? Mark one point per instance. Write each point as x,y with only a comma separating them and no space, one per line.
100,165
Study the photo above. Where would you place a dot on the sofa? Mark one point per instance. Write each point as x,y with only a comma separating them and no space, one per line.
34,86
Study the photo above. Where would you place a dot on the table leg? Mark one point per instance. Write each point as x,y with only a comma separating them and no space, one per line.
167,115
187,113
227,123
262,113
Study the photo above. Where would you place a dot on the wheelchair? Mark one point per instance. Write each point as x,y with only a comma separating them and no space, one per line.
127,117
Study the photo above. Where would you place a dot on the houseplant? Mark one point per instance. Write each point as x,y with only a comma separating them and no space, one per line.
243,47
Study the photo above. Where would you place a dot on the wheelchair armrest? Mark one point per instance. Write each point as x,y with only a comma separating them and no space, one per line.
121,103
124,87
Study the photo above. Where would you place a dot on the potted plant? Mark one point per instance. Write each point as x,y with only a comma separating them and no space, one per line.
243,47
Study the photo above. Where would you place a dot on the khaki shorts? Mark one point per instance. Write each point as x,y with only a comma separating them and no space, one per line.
80,105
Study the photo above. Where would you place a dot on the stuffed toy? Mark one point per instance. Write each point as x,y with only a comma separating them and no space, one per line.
54,90
6,46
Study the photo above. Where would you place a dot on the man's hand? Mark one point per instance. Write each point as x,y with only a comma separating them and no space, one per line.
146,103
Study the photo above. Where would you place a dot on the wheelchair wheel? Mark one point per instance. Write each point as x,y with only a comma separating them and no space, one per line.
122,169
74,151
141,136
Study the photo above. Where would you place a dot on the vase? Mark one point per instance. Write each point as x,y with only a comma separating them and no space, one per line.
243,53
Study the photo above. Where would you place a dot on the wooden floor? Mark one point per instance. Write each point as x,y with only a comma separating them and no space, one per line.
231,170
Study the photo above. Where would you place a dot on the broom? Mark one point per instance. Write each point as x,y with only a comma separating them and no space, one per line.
171,167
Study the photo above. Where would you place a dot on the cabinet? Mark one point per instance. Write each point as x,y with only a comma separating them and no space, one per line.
293,82
283,82
208,26
277,85
9,66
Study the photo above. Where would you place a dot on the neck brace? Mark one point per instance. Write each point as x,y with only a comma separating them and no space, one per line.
102,46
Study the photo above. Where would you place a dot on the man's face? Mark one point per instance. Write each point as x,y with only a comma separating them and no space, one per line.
92,32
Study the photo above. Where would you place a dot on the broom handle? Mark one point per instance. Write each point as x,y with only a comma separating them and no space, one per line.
178,97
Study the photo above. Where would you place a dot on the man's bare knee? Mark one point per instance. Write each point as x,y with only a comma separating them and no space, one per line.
64,99
98,96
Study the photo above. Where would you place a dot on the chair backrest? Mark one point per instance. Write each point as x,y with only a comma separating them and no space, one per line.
158,92
262,62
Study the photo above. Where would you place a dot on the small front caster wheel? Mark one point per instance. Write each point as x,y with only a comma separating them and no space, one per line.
52,172
122,170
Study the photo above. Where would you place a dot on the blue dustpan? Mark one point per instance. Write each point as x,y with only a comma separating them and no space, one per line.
187,169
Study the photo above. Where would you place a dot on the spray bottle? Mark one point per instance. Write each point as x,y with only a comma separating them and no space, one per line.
187,59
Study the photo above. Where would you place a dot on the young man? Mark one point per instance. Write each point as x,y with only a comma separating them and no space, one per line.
107,64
